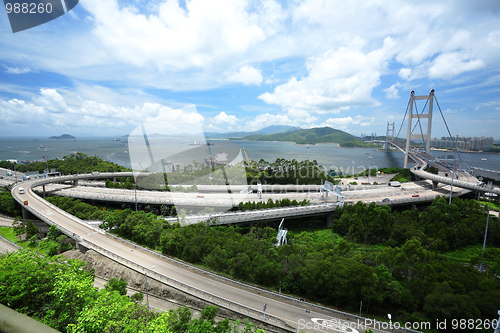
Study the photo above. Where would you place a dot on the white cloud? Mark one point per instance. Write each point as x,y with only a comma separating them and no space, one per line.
448,65
266,119
204,35
344,123
225,118
247,75
16,70
392,91
340,78
405,73
49,109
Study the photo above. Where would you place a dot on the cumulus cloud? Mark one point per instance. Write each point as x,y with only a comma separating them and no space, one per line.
49,109
267,119
338,78
405,73
201,35
392,91
343,123
247,75
450,64
225,118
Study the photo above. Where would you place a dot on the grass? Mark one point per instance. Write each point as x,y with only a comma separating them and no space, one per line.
9,234
494,205
464,254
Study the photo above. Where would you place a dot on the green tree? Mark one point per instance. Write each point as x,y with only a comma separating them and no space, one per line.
117,285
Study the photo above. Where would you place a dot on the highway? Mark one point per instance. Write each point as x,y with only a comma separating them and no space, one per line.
241,298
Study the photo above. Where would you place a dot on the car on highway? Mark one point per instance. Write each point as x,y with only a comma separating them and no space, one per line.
21,190
200,196
1,177
416,195
386,199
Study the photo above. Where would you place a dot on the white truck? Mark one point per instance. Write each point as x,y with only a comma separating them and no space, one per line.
21,190
395,184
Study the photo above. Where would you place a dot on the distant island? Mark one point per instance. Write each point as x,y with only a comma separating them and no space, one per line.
314,136
63,137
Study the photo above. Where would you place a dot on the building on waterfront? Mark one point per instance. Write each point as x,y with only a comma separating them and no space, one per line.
463,143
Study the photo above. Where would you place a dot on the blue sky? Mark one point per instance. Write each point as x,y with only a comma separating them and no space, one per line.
106,67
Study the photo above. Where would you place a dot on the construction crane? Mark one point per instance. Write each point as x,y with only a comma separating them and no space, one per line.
249,160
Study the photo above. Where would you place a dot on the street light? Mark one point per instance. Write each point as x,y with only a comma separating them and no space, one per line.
390,322
452,170
481,177
489,195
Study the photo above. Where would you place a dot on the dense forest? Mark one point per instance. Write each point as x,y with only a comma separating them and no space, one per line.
8,205
61,294
408,274
72,164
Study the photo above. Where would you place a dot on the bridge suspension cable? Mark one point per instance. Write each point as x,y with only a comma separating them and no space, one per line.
447,128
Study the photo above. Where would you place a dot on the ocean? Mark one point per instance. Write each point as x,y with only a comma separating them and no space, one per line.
347,160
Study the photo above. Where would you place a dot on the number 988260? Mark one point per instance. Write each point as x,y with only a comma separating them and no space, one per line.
28,8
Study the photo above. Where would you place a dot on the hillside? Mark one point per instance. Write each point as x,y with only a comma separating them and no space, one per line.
273,129
307,136
63,137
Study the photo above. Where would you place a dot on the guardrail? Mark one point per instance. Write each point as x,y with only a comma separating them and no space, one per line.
234,306
10,242
258,214
289,298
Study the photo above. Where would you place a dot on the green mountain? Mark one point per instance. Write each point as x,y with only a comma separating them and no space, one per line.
63,137
307,136
273,129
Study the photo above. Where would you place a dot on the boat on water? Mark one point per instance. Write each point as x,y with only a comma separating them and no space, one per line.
41,147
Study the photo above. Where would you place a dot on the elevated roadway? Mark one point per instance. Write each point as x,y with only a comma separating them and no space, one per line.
461,178
281,312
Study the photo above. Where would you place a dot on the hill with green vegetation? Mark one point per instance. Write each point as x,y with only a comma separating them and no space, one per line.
63,137
359,144
68,165
273,129
307,136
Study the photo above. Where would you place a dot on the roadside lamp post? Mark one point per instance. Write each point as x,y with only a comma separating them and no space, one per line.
453,169
489,195
135,188
390,322
481,177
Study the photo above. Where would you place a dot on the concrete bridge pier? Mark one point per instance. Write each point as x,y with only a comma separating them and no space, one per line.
434,184
329,220
43,186
25,213
75,182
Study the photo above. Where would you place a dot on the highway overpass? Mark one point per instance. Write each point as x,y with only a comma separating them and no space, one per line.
282,312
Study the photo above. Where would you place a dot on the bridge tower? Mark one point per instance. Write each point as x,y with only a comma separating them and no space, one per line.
389,136
411,115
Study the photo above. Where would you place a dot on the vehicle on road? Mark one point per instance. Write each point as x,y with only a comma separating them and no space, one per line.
200,196
21,190
386,199
1,177
9,173
416,195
